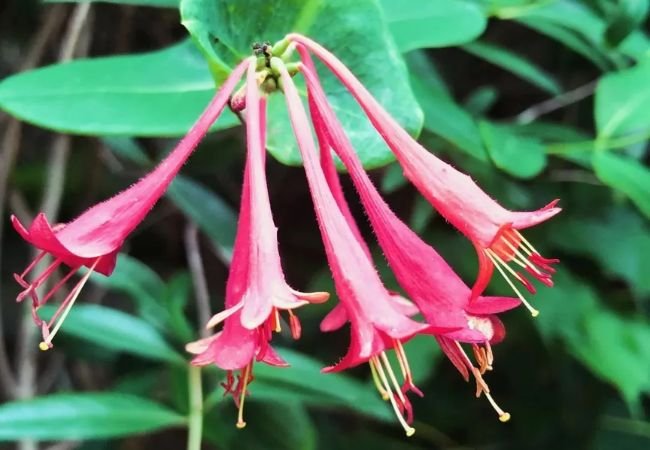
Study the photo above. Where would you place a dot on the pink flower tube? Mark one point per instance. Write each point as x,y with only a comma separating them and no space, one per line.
492,229
95,237
442,297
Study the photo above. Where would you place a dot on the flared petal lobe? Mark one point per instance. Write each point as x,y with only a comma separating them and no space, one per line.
95,237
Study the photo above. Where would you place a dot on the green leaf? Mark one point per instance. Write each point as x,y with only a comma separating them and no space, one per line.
612,347
158,3
140,283
514,63
177,293
569,38
521,156
355,32
433,23
578,19
116,330
332,388
616,349
290,429
628,259
127,148
135,95
626,175
445,118
83,416
622,102
628,16
211,214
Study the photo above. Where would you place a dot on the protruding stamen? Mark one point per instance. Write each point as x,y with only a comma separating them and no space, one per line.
392,377
481,385
58,285
503,416
527,245
375,379
276,321
242,397
499,263
294,325
489,354
406,369
382,376
31,265
64,309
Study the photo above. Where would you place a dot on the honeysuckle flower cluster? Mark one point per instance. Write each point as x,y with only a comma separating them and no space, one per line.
463,320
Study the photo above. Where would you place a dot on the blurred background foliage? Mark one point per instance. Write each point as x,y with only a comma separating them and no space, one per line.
537,99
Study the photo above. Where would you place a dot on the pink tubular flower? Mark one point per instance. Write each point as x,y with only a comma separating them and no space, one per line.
377,324
441,296
493,230
256,290
95,237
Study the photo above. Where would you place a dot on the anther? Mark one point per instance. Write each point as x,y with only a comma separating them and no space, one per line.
499,263
240,415
382,376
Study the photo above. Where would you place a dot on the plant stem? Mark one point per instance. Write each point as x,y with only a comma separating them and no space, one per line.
195,422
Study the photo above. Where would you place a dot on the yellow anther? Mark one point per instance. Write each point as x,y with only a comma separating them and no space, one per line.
504,417
43,346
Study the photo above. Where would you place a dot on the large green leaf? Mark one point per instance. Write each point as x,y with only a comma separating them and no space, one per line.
623,102
140,283
83,416
213,216
305,377
611,346
154,94
158,3
628,259
116,330
577,18
627,17
354,31
626,175
447,119
520,156
516,64
433,23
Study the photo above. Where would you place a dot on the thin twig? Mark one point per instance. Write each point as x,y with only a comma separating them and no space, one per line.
565,99
195,264
8,151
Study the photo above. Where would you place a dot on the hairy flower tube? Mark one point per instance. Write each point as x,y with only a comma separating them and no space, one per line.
494,230
95,237
440,294
256,290
377,323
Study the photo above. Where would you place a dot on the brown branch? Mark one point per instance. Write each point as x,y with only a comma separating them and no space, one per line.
9,147
195,263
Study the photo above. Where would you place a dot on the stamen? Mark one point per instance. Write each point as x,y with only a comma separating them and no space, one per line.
58,285
490,355
65,308
294,325
31,265
481,358
406,368
481,385
382,376
498,262
276,317
503,416
525,241
375,379
240,415
392,377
